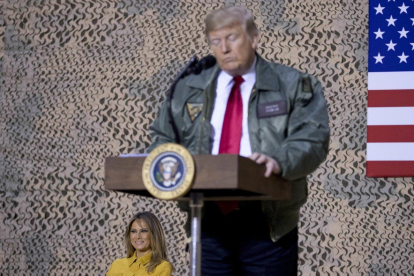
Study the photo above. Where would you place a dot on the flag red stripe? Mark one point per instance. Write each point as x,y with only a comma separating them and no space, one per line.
383,134
390,168
390,98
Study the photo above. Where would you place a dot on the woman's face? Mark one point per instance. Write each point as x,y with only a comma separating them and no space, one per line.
140,237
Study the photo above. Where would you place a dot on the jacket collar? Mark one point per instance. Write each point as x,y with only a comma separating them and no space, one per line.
203,80
265,77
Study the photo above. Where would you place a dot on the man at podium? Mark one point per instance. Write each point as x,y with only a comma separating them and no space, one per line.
266,111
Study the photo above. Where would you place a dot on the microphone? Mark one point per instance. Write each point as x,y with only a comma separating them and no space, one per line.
187,68
205,63
192,67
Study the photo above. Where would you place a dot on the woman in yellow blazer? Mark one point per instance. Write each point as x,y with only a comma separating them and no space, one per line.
146,249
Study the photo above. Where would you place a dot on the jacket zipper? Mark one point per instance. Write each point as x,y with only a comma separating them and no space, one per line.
252,95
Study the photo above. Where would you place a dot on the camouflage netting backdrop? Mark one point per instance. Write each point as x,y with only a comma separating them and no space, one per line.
83,79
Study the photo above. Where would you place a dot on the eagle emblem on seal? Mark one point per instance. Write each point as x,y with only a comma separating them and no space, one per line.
167,173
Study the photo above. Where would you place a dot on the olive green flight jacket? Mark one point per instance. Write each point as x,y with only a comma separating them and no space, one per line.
298,140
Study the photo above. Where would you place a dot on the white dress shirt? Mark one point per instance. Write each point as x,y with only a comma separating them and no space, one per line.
224,84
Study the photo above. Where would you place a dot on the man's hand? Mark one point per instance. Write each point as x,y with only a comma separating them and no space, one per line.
271,165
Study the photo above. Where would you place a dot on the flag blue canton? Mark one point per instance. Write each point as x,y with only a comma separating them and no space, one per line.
391,35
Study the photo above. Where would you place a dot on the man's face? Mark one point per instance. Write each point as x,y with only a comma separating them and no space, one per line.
233,49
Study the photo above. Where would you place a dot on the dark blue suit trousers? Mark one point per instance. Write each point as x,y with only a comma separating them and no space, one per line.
239,244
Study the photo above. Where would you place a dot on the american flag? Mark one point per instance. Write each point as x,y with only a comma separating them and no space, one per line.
390,130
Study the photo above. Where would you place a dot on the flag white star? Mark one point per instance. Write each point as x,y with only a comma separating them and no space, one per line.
403,8
391,46
391,21
379,9
403,58
379,33
392,0
412,19
378,58
412,44
403,33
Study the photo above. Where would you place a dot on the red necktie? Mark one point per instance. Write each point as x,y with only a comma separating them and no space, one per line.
232,124
231,132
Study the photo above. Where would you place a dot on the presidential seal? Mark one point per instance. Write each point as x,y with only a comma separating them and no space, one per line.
168,171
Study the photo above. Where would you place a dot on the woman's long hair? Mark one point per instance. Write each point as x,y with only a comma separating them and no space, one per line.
157,238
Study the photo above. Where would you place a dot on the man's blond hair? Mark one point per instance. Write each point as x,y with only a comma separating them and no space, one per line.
231,16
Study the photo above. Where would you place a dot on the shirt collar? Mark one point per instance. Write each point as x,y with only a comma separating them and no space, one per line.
142,260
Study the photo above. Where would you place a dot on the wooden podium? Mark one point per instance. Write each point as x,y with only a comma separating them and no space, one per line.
217,177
